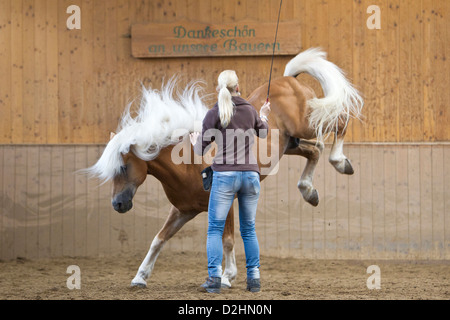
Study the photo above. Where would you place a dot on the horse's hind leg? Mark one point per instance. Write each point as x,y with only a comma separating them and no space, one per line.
337,157
311,151
174,222
230,271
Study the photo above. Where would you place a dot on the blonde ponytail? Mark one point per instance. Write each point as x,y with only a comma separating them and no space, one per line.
228,82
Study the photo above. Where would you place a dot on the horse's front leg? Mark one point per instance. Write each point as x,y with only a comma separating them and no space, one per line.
230,271
337,157
174,222
311,151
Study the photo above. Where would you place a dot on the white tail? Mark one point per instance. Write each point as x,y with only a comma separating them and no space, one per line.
341,100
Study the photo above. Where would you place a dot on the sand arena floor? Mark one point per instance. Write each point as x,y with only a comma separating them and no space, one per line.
177,276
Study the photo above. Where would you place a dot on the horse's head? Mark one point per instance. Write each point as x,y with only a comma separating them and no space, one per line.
143,133
125,183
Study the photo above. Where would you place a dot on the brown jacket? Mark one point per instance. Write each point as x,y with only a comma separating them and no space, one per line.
235,142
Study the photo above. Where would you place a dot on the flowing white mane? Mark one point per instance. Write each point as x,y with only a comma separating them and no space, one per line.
159,116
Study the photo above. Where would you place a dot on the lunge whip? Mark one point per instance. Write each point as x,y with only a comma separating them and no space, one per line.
273,53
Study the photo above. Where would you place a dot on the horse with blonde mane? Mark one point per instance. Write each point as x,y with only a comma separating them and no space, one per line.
144,145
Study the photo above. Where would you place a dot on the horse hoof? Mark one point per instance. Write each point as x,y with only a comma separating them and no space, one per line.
313,199
348,167
139,283
309,193
343,166
226,284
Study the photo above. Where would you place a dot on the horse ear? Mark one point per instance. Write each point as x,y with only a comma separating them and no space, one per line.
111,135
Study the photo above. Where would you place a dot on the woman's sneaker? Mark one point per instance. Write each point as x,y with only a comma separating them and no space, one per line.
212,284
253,285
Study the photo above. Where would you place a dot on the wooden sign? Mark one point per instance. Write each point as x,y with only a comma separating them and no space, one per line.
193,39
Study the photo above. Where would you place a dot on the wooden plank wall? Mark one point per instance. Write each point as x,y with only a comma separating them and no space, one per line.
61,86
62,92
49,211
395,206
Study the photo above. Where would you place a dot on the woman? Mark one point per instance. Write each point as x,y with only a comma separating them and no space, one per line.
232,124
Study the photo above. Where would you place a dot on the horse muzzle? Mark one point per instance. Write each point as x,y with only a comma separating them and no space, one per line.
123,202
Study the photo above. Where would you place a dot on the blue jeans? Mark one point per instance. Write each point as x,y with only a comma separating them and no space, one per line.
225,186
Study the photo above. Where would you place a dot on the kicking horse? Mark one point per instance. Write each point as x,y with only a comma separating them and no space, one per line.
146,144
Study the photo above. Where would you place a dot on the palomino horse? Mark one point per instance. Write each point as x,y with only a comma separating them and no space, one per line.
146,143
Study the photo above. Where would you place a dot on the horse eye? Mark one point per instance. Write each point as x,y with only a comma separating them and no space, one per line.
123,169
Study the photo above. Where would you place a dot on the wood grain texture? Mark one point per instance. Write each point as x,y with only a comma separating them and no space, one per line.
5,69
71,86
395,206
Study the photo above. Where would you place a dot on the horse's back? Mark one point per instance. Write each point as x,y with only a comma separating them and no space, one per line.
288,98
284,86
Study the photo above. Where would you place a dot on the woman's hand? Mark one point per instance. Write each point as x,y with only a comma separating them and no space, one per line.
194,136
265,110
